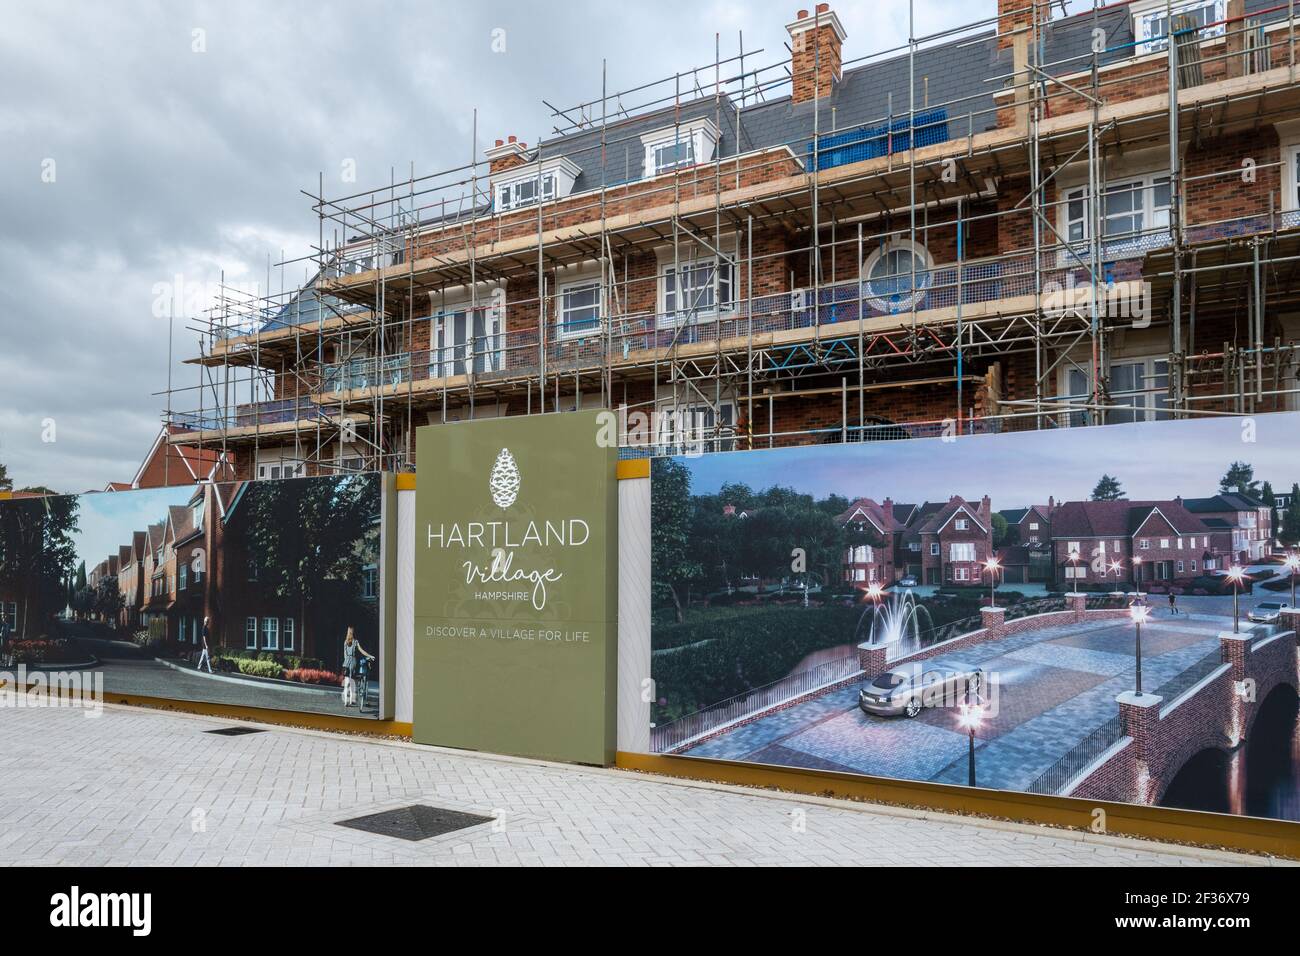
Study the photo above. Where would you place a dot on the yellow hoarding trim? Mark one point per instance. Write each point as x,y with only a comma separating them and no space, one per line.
633,468
406,481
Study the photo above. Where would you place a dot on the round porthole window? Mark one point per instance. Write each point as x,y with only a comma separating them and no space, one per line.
896,276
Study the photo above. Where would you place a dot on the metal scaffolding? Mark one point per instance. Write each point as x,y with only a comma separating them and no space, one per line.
425,301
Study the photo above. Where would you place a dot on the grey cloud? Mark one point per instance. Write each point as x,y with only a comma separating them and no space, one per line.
170,161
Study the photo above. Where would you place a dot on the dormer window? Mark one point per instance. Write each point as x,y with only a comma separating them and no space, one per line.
671,155
533,183
525,192
678,147
1151,26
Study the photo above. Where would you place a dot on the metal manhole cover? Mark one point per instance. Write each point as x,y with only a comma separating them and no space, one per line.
416,822
235,731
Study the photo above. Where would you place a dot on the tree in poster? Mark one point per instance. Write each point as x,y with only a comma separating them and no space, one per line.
106,601
672,565
1107,488
1240,475
37,553
6,483
1289,533
1001,530
307,533
712,542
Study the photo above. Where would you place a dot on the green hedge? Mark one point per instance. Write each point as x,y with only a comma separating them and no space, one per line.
730,655
721,652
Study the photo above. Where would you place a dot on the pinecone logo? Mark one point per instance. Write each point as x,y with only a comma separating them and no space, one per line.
504,480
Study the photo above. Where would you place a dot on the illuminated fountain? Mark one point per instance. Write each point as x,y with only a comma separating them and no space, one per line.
897,619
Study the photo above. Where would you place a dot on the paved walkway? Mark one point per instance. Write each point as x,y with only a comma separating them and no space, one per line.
145,787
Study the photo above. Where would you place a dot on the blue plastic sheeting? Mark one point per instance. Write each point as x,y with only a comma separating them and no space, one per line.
870,142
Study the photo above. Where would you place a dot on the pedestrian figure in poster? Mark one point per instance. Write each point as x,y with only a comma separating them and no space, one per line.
1173,602
205,657
363,679
353,654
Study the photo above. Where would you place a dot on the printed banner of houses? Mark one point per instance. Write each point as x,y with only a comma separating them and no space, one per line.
280,568
1068,543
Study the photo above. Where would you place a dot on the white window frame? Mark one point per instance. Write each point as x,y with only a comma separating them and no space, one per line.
702,136
1074,216
925,277
250,634
289,633
1151,408
510,195
934,549
445,361
1290,176
271,633
696,440
1147,12
583,284
274,464
697,260
958,551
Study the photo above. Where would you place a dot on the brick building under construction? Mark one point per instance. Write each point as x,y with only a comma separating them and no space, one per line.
1037,221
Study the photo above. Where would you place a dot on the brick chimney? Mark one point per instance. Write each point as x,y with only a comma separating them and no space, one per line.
815,43
506,154
1013,15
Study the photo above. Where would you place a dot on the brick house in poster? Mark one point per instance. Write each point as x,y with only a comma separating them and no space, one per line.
952,541
874,559
1026,553
1089,537
131,582
154,576
186,557
199,562
1245,521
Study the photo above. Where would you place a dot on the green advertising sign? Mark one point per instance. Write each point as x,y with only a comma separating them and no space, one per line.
515,587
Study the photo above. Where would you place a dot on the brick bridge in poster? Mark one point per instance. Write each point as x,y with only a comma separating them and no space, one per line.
1217,713
1156,737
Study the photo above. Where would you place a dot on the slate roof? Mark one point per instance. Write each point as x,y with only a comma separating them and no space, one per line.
1118,519
156,535
1232,501
962,75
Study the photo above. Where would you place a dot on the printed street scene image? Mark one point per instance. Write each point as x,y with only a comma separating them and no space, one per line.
1108,617
260,594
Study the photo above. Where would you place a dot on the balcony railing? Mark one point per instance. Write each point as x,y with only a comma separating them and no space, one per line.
250,415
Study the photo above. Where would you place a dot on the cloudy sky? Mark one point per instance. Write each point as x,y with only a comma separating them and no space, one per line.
141,141
1152,460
